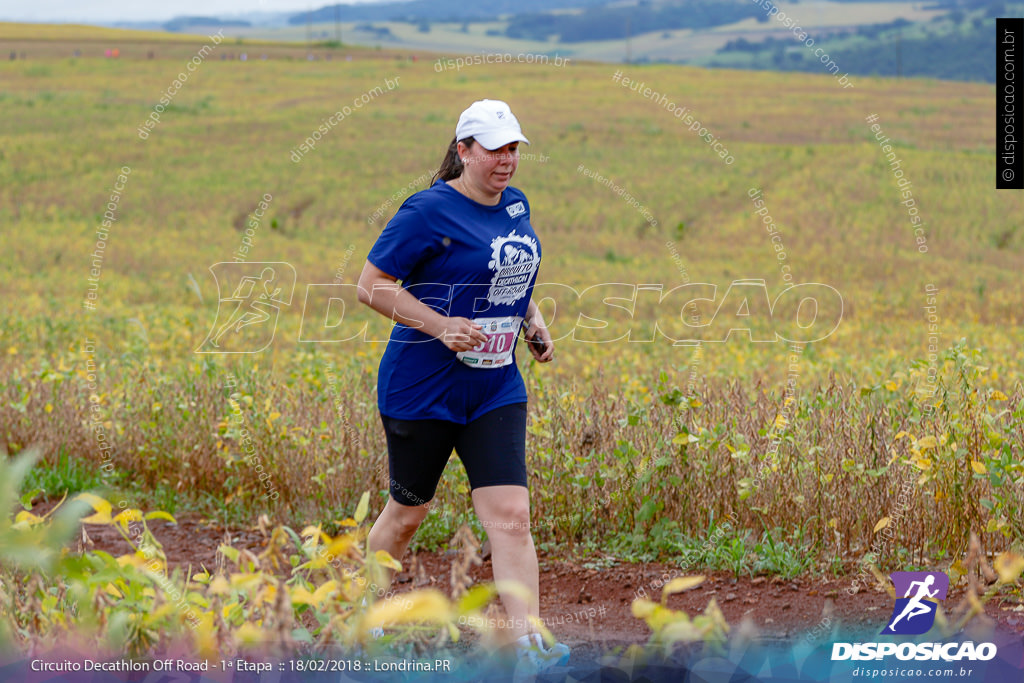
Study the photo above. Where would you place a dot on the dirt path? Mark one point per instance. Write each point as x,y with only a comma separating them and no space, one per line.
589,609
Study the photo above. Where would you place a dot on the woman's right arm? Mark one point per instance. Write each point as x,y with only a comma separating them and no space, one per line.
382,293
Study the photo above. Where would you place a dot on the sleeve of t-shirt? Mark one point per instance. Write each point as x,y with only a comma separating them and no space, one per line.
404,242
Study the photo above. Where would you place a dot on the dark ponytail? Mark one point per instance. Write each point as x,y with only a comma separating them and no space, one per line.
451,167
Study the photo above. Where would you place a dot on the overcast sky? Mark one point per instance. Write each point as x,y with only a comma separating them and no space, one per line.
145,10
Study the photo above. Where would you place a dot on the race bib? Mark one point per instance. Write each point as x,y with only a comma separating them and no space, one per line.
497,350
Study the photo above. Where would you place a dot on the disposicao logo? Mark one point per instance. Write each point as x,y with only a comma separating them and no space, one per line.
913,615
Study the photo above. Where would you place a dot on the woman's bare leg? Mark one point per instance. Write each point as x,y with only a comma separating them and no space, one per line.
504,512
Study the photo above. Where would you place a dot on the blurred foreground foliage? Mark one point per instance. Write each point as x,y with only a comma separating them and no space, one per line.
305,593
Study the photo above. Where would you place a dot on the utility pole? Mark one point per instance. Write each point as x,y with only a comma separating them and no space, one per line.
337,24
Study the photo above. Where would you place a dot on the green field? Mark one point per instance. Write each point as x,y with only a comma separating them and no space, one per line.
633,447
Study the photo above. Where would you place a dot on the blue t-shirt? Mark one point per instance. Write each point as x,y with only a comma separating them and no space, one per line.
466,259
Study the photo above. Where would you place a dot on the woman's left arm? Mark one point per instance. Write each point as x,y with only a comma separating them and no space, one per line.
537,329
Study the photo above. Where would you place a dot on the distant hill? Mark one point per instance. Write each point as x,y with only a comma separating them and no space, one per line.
186,24
417,11
956,46
616,21
947,39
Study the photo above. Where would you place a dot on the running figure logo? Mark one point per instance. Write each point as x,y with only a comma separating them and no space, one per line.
914,613
247,320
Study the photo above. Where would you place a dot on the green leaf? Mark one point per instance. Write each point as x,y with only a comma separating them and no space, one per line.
229,552
25,551
26,499
647,510
684,438
476,598
13,472
363,508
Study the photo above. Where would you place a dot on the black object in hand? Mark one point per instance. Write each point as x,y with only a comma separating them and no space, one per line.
538,344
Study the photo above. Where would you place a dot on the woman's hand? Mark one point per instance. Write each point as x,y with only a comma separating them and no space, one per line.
461,334
381,292
538,331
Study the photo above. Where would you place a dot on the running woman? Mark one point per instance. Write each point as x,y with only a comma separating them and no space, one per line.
467,259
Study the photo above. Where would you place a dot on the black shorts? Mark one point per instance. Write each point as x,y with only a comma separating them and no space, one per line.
492,449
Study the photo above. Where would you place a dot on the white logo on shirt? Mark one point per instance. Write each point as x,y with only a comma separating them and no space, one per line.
514,260
516,209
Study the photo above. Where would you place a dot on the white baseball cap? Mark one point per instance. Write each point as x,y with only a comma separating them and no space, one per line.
491,123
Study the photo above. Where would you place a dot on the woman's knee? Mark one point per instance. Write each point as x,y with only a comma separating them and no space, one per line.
512,518
407,519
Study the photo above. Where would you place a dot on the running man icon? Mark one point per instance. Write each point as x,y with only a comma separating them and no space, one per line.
247,318
916,609
250,309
